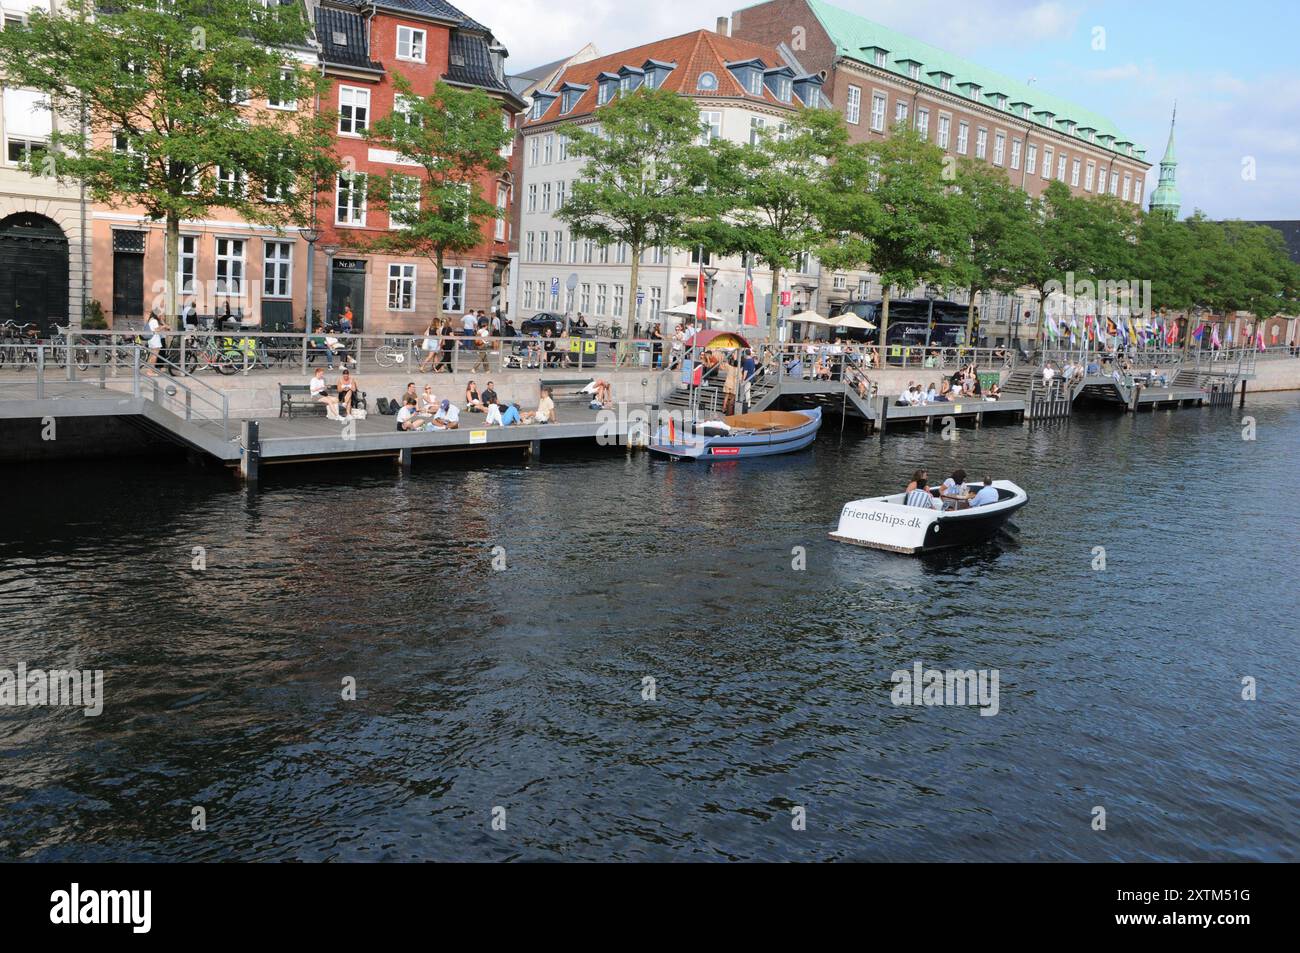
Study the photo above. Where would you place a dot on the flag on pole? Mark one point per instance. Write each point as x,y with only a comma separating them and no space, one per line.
1198,333
1228,338
1215,341
700,304
751,313
1171,333
1050,324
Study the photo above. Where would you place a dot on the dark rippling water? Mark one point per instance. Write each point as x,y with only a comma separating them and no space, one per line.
523,688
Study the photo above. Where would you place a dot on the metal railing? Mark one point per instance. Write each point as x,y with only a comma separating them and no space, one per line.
244,352
84,364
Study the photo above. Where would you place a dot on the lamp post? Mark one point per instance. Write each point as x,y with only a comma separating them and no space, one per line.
311,236
931,292
709,274
330,251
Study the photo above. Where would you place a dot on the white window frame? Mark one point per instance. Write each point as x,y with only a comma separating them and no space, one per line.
923,122
1060,166
944,133
1047,162
1089,175
999,147
1074,172
230,268
503,203
356,213
277,269
416,49
453,289
401,286
981,143
413,191
963,137
853,105
1031,158
357,98
878,112
287,105
186,276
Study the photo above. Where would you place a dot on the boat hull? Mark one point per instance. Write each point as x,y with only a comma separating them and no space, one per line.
739,445
885,523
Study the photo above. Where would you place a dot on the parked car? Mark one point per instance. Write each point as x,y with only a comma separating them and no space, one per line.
542,320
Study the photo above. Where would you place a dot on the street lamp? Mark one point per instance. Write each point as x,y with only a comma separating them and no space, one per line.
311,236
709,274
931,292
330,251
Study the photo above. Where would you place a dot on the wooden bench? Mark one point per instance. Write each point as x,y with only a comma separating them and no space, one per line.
559,382
296,401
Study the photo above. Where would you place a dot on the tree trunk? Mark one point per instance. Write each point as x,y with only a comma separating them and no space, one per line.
633,280
970,318
774,313
437,290
1042,319
882,333
171,256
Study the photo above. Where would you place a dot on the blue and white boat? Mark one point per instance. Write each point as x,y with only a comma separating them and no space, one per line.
740,435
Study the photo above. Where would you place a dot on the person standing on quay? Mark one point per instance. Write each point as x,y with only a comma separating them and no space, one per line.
729,387
155,341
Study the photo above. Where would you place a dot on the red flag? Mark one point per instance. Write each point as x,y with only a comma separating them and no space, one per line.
751,313
1171,335
700,305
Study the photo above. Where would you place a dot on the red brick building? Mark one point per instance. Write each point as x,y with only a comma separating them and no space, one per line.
363,46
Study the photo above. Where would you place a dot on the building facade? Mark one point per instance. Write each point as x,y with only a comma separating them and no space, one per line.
257,273
740,87
45,247
877,78
363,46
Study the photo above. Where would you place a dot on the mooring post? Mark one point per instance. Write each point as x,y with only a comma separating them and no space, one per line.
1243,393
882,415
251,444
404,460
535,449
1133,401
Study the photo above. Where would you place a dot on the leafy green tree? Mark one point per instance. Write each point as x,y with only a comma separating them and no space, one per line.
159,102
775,194
455,137
997,217
642,183
913,229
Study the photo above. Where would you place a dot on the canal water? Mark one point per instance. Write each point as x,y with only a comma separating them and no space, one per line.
520,695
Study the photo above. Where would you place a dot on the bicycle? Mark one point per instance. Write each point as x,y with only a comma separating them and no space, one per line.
209,354
18,344
393,352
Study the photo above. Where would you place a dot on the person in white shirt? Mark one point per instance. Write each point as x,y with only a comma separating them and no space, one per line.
931,394
493,414
319,394
1048,373
988,494
407,418
955,484
448,415
905,398
469,322
155,339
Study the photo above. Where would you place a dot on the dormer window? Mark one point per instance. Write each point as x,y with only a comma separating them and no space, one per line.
1001,101
749,74
541,103
570,93
656,71
882,57
808,89
914,70
974,91
778,82
945,83
607,83
877,55
629,79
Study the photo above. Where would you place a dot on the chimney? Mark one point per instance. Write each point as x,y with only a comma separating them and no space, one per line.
722,27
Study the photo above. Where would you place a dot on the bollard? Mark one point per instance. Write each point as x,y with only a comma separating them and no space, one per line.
251,444
404,460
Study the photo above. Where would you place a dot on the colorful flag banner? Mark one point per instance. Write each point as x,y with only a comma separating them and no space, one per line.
751,313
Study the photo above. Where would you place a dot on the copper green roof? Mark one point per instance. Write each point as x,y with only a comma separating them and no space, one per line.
854,36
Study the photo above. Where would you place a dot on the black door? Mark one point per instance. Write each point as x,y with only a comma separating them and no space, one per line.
33,271
128,285
348,289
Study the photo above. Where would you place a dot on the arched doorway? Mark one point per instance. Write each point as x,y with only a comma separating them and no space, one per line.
33,271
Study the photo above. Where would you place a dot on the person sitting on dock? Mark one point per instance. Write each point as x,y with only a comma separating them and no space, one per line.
411,392
905,398
428,402
493,413
407,418
347,390
545,413
472,401
994,393
1093,368
988,493
448,416
489,395
510,416
318,393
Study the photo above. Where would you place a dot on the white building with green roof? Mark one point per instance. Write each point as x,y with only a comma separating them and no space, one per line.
878,77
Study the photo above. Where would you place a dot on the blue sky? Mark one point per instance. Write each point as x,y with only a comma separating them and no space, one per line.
1234,70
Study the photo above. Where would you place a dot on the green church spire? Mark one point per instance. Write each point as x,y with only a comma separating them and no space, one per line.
1165,197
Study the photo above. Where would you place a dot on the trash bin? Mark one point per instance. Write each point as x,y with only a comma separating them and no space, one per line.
643,356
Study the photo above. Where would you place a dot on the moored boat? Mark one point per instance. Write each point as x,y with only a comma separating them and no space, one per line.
759,434
884,522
